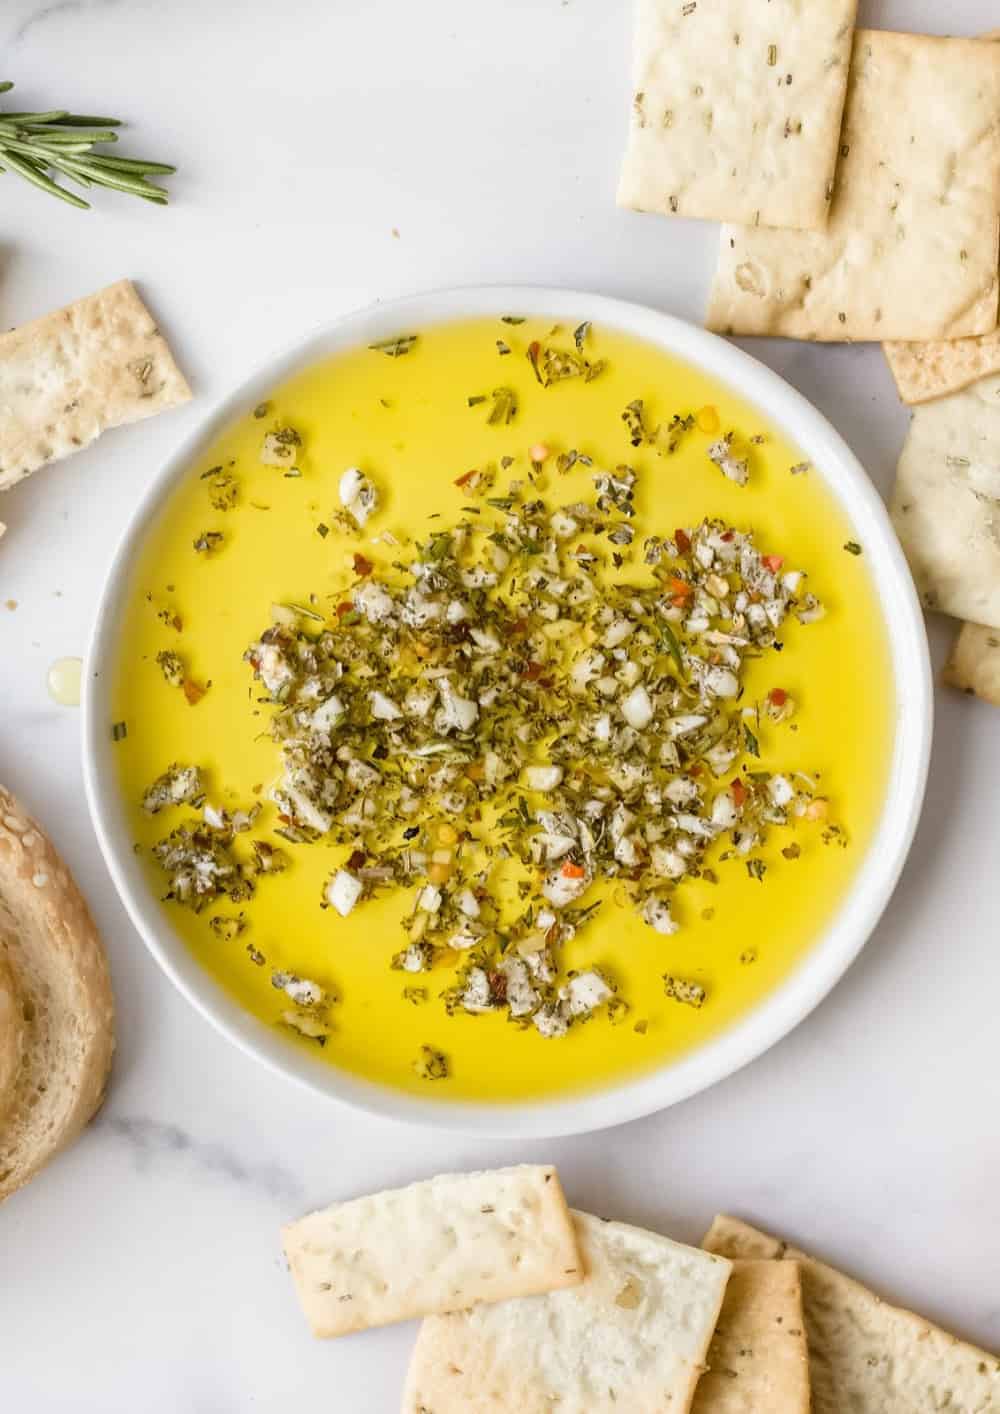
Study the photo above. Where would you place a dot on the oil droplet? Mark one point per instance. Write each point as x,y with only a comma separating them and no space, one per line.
64,681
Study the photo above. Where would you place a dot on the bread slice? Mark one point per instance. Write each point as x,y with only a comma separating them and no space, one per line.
56,1006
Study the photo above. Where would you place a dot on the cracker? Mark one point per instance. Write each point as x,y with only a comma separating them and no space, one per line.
930,370
941,366
911,247
865,1355
946,503
436,1246
736,109
632,1337
70,376
758,1358
974,663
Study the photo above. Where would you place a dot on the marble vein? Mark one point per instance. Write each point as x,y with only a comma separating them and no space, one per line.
150,1140
61,7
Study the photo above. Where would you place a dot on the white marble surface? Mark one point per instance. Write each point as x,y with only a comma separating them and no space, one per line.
142,1270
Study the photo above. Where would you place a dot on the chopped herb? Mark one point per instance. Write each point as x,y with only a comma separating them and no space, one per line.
322,530
475,400
397,347
750,741
756,868
800,468
502,348
791,851
208,541
580,334
262,410
504,408
172,667
678,989
226,929
119,731
512,318
852,547
431,1064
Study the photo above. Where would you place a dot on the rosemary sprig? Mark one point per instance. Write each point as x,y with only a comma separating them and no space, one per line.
36,144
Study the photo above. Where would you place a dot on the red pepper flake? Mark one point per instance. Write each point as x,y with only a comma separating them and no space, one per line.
518,627
777,697
466,478
680,590
362,566
357,859
532,671
572,871
683,541
727,536
193,691
772,562
738,791
694,771
345,608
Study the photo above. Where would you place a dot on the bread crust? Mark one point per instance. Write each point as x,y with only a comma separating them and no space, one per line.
56,1002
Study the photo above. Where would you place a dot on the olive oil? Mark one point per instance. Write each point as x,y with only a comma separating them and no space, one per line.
417,417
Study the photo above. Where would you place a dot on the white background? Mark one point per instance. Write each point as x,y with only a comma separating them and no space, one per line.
142,1270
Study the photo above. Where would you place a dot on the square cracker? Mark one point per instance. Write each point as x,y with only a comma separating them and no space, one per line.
68,377
974,663
930,370
758,1358
946,502
736,109
435,1246
925,371
632,1337
911,247
865,1355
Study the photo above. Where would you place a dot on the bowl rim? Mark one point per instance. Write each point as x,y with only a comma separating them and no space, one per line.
834,949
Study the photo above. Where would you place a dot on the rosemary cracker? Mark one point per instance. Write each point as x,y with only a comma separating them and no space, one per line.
930,370
758,1358
864,1354
68,377
974,663
910,251
736,109
632,1337
946,502
433,1247
940,366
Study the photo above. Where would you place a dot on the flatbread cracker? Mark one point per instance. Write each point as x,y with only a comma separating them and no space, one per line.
435,1246
632,1337
911,248
758,1358
736,109
946,503
974,663
865,1355
925,371
70,376
931,370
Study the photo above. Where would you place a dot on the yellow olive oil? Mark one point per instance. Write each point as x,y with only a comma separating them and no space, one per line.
415,424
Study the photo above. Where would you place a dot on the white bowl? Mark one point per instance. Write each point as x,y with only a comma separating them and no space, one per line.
833,950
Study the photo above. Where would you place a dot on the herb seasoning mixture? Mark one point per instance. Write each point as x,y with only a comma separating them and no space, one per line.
532,727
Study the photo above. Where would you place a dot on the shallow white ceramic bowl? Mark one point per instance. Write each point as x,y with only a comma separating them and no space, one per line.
833,950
